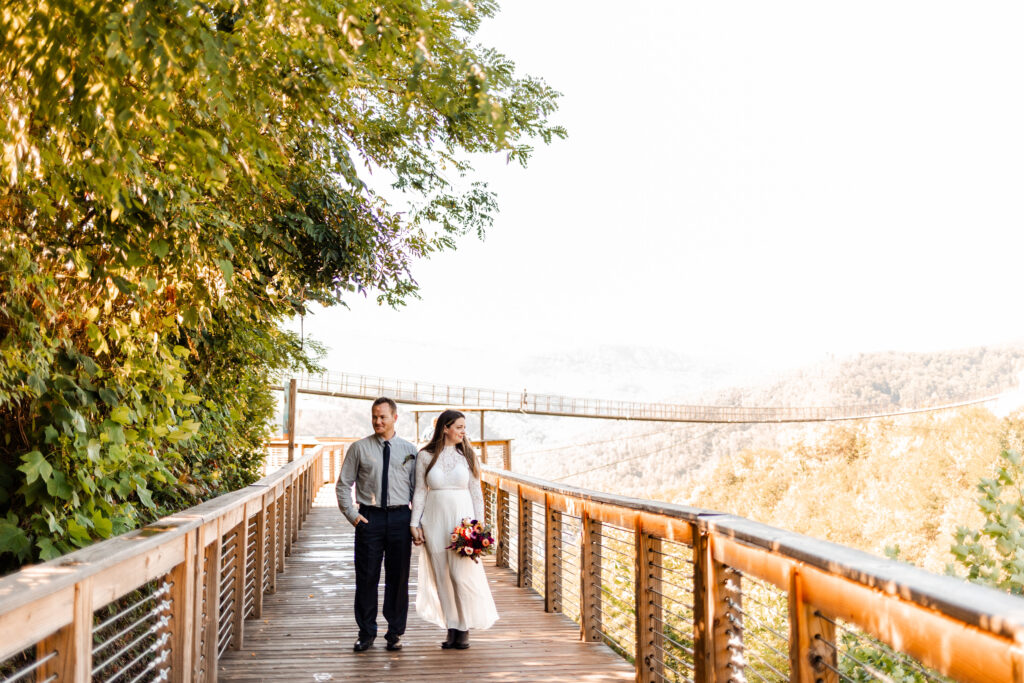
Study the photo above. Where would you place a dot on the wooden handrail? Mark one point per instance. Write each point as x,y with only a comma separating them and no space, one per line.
962,630
220,549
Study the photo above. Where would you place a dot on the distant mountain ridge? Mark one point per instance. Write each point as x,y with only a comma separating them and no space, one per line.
898,378
646,465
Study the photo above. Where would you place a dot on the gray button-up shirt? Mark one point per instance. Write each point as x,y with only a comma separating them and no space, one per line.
363,466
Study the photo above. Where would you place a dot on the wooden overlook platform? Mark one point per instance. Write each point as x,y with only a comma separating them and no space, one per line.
256,586
306,630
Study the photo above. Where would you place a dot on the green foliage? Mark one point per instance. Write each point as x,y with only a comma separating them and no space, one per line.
993,555
180,177
865,659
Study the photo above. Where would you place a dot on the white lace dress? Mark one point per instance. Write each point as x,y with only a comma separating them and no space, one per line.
452,591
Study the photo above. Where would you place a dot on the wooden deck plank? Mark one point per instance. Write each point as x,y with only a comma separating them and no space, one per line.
307,629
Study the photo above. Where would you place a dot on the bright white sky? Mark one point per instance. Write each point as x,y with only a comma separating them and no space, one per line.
772,180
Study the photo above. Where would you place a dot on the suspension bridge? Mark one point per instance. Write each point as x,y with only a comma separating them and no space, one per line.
343,385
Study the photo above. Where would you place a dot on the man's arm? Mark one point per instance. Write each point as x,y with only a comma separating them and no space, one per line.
343,489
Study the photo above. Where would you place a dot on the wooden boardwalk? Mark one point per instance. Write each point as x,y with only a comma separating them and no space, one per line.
306,631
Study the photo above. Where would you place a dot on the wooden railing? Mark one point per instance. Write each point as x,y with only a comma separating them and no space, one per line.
277,453
693,595
163,602
685,594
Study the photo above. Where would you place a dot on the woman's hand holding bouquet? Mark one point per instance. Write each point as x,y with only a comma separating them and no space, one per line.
472,539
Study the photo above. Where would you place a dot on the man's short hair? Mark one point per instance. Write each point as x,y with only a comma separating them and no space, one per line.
391,404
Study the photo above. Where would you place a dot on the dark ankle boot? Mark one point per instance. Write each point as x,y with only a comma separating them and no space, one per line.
450,642
461,640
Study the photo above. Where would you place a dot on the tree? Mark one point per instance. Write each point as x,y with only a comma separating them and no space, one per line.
994,554
178,177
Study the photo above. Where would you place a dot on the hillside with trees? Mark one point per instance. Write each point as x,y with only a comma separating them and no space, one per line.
905,484
644,459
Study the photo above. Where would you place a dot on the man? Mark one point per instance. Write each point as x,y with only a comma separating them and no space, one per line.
383,469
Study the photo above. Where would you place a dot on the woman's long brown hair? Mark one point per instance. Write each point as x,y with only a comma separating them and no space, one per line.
436,443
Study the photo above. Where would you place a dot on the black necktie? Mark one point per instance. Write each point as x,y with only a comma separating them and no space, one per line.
384,476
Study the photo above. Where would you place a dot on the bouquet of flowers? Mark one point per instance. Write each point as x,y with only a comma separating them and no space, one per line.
472,539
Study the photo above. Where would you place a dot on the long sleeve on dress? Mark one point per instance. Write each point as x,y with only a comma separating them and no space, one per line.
419,495
477,494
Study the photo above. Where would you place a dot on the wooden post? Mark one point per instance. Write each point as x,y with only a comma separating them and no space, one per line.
198,597
656,603
310,488
811,658
293,393
297,500
502,558
212,625
590,579
649,636
288,522
241,560
294,503
508,455
300,500
703,652
305,488
282,531
271,522
524,523
486,489
712,627
73,643
260,560
183,597
552,557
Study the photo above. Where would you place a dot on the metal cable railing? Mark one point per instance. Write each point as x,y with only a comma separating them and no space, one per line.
130,636
160,603
693,595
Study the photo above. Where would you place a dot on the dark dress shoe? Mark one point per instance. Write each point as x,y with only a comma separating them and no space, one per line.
450,642
362,645
461,640
394,642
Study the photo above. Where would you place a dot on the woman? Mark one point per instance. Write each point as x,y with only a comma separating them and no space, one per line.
453,591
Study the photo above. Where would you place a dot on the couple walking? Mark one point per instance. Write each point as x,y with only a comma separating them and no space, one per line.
403,498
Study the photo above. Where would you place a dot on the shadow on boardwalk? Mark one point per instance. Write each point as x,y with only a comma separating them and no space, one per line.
306,631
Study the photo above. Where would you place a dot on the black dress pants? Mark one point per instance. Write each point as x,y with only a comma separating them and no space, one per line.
386,537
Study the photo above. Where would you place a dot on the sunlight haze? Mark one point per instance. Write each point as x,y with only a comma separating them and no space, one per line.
757,184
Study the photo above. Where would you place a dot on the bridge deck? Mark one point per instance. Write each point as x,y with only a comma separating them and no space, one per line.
306,631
